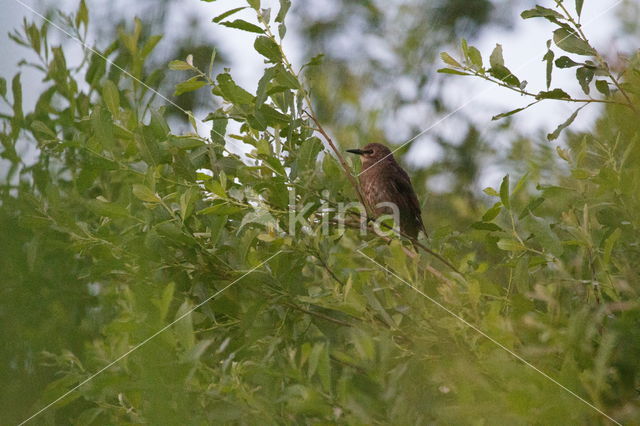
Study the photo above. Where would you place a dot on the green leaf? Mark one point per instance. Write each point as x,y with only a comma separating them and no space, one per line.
585,76
285,78
446,58
40,127
553,94
569,41
34,37
490,191
221,209
254,4
531,207
185,142
581,174
548,57
484,226
16,88
194,83
82,15
564,154
544,234
219,130
268,48
243,25
510,113
164,301
307,156
184,326
219,18
603,87
179,65
271,116
507,244
111,97
579,4
284,8
554,135
263,83
492,213
107,209
566,62
173,232
520,184
504,193
3,87
145,193
542,12
609,244
451,71
502,73
151,44
475,57
496,59
232,92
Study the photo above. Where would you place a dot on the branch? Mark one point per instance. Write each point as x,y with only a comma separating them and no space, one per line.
604,64
344,164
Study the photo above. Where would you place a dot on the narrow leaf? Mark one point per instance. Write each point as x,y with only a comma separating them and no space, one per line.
510,113
496,59
219,18
145,193
179,65
502,73
448,59
569,41
510,245
603,87
561,127
243,25
451,71
579,4
566,62
189,86
476,57
284,8
268,48
548,57
584,76
542,12
111,97
553,94
504,193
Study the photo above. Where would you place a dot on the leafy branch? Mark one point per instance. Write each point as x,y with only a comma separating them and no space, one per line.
569,37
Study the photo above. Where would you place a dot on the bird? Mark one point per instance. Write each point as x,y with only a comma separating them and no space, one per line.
383,180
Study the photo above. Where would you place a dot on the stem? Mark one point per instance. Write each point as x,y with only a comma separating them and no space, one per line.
344,164
533,95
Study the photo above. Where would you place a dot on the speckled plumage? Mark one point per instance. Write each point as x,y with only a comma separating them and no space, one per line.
383,180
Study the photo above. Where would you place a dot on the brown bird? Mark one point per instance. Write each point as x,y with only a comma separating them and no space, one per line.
383,180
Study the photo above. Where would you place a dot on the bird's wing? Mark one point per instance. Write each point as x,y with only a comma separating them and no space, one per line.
402,182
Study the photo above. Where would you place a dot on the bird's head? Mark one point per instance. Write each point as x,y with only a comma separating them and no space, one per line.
373,153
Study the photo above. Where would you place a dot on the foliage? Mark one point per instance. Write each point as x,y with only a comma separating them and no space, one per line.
569,37
116,228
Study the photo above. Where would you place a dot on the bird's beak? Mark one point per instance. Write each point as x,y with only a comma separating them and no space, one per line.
356,151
